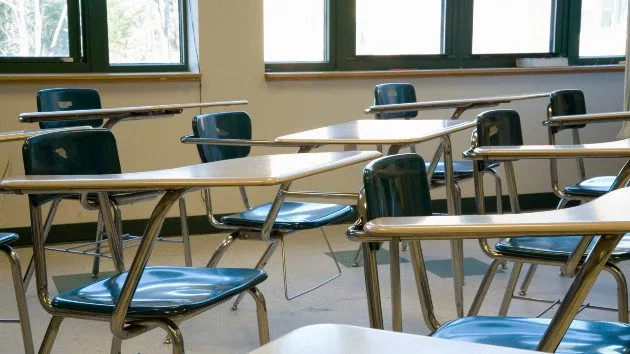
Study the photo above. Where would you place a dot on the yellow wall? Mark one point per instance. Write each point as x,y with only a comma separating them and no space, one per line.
231,62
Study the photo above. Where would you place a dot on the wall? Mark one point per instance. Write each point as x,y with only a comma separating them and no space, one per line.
231,61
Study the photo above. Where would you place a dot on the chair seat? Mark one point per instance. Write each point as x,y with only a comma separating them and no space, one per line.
556,248
526,333
592,187
162,291
460,168
7,238
292,216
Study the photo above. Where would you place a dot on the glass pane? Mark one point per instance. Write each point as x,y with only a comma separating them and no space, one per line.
27,30
603,28
399,27
512,26
144,31
295,30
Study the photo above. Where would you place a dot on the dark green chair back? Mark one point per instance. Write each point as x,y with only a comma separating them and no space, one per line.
394,93
501,127
78,152
68,99
567,103
225,125
397,185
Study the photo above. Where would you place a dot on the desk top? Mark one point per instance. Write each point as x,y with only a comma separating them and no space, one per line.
588,118
342,339
378,131
19,135
458,103
249,171
126,113
619,148
607,214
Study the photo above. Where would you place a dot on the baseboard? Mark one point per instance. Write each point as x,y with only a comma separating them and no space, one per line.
198,224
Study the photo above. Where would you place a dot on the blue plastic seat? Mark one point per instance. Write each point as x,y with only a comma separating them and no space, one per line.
69,99
525,333
165,296
6,239
592,187
292,216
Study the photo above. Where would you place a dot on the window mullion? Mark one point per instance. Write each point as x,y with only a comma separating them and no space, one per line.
95,32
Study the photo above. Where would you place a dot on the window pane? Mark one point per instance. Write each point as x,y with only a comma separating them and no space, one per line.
30,31
512,26
603,28
399,27
295,30
144,31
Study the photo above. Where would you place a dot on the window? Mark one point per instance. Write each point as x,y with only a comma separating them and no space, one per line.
432,34
92,35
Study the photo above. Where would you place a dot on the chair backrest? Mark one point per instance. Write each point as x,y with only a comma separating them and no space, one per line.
77,152
567,103
223,125
501,127
68,99
397,185
393,93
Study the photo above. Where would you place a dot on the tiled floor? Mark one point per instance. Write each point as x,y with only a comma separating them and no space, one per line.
222,330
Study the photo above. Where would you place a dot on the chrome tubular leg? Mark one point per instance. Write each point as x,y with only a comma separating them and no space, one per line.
622,291
357,257
562,203
512,190
183,219
51,334
116,345
577,293
483,288
528,279
320,284
509,291
372,287
112,224
261,315
30,269
220,250
498,190
412,149
422,285
173,332
394,271
96,263
262,262
20,298
456,245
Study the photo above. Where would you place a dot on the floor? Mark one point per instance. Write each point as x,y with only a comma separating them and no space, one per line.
222,330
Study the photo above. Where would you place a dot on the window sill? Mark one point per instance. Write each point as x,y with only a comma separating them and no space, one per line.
100,77
331,75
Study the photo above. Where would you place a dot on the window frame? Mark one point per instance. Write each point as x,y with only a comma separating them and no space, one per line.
457,43
87,32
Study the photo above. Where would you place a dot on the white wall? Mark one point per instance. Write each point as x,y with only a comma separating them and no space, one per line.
231,61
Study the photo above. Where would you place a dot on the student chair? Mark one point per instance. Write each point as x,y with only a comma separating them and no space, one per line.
396,186
65,99
234,128
163,297
500,128
6,239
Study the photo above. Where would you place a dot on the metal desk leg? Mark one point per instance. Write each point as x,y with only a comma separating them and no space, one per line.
457,246
371,285
422,283
577,293
394,270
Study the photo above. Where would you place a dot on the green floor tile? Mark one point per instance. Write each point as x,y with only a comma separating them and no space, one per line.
67,282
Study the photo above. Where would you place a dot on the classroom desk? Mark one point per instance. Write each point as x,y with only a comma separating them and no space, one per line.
397,134
606,216
115,115
20,135
587,118
460,105
250,171
343,339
